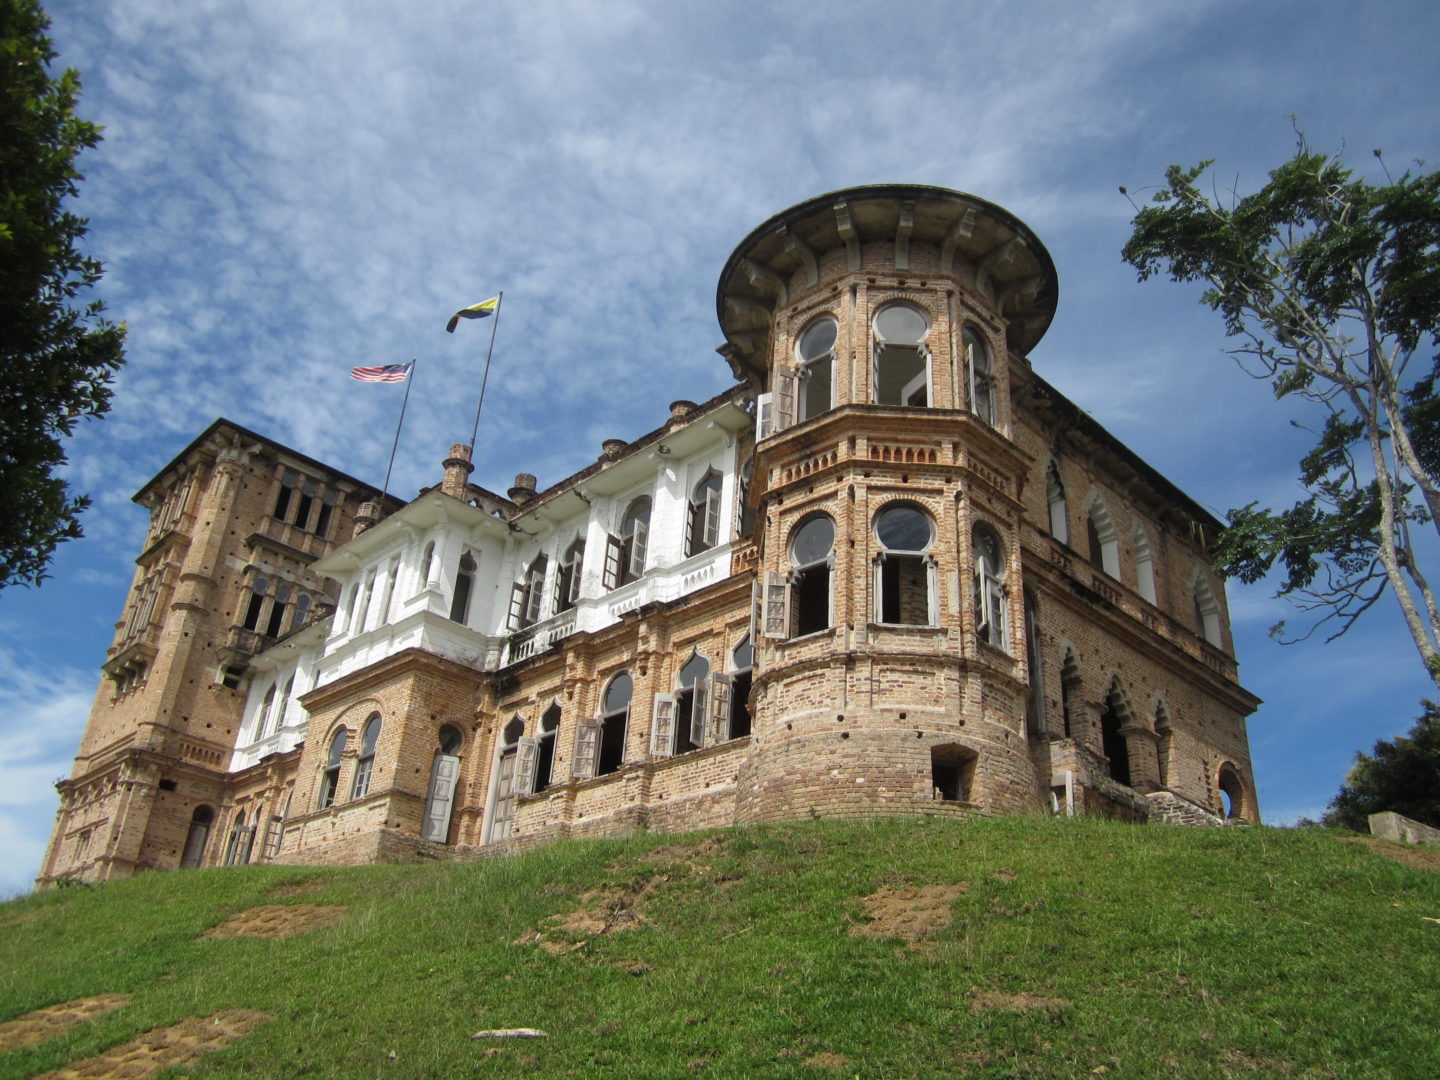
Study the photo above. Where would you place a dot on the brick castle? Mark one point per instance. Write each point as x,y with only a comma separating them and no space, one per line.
892,570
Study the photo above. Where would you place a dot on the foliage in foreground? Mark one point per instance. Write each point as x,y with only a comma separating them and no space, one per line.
1332,285
1400,774
1078,948
58,358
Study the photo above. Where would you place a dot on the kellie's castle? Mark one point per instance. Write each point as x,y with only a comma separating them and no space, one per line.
891,571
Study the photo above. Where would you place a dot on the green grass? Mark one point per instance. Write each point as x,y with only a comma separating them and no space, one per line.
1180,953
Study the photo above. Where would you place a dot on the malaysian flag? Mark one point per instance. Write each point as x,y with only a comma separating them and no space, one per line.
383,373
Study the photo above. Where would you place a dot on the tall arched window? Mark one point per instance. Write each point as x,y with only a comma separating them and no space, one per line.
527,597
1035,705
196,838
365,763
1144,565
902,361
1103,539
330,778
262,718
327,513
567,577
904,571
258,588
427,563
742,665
278,606
301,611
1207,610
507,768
629,553
815,353
1232,792
464,586
979,374
681,719
1055,502
610,750
811,559
289,481
1070,693
990,622
1113,744
545,748
702,531
444,775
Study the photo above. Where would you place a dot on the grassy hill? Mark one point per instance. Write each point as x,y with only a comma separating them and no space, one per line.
900,948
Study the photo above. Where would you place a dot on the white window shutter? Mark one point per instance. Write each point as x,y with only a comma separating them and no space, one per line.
784,399
534,597
722,687
932,589
700,716
525,754
776,603
577,569
614,553
517,606
662,726
712,517
587,745
764,416
756,600
637,548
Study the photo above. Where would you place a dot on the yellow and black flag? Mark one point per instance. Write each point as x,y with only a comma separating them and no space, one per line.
474,311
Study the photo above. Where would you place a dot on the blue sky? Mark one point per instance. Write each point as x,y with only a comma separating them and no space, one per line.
288,190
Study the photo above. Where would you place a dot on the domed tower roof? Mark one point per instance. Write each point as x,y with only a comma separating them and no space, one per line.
779,260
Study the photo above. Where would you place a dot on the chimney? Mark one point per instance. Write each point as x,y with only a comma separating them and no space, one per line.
524,490
679,412
457,472
611,449
366,517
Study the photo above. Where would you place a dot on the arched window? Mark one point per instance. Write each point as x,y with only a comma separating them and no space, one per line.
464,586
237,851
742,665
567,578
990,622
815,354
258,588
304,504
1113,744
691,703
1070,693
327,513
354,612
427,563
1144,565
506,781
746,511
276,621
626,559
1055,500
444,774
365,763
1166,732
1232,793
610,752
811,559
262,718
702,531
979,374
527,597
196,838
289,481
301,611
330,778
1207,610
1035,704
902,361
1103,540
545,749
904,572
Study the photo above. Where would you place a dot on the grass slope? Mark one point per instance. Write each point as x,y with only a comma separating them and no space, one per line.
1079,948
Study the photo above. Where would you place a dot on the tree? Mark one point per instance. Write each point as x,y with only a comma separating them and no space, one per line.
58,358
1332,285
1402,775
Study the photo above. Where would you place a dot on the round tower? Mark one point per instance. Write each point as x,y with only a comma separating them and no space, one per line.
881,325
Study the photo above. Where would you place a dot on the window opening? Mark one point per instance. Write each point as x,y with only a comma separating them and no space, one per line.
1232,792
390,582
262,718
427,563
690,704
1055,499
1035,705
567,579
545,751
278,606
1166,733
278,721
237,847
1070,693
747,512
1207,611
301,612
703,528
952,772
327,513
1144,566
464,584
611,751
1113,745
288,483
904,590
1104,543
743,665
444,775
304,504
197,837
811,551
365,763
257,603
990,620
902,362
632,543
527,597
979,374
330,779
815,352
506,781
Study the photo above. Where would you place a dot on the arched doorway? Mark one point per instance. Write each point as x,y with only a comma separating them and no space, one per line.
443,777
195,840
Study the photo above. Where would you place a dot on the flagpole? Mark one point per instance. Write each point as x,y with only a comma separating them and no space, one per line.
409,377
475,432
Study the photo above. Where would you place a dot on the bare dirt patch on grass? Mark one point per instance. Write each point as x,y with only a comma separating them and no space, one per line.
277,921
992,1000
601,911
42,1025
1420,858
826,1060
912,912
163,1048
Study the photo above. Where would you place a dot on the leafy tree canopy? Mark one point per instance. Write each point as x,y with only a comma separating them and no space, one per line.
58,356
1402,775
1332,286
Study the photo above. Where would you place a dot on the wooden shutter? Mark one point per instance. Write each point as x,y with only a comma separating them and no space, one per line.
775,603
525,755
712,517
699,715
721,690
587,747
436,825
614,556
517,606
694,527
764,416
577,567
662,726
639,540
784,399
273,830
534,595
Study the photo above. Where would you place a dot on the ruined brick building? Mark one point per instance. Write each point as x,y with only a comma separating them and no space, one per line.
892,570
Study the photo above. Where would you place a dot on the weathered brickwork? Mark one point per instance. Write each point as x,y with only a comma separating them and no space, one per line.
891,571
